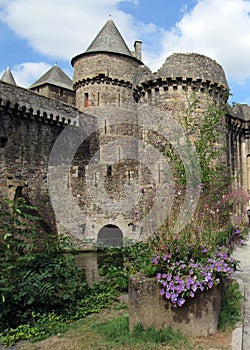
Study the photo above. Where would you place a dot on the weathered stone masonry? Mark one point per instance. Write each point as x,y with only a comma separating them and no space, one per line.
110,84
29,126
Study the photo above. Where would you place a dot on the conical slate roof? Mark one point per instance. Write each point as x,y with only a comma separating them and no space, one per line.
8,77
109,39
54,76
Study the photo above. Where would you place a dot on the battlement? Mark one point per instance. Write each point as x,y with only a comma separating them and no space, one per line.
193,65
34,106
107,79
172,84
102,79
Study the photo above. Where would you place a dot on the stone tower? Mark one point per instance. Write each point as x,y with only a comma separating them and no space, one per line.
103,79
104,73
183,76
130,108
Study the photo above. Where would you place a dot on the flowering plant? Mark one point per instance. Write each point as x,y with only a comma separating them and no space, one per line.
182,279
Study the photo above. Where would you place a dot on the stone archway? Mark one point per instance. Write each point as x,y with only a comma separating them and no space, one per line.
110,236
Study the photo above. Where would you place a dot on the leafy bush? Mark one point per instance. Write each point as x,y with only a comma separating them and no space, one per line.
231,308
40,282
42,325
123,262
34,276
41,289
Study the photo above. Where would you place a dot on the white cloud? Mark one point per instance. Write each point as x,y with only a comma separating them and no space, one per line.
218,29
27,73
61,28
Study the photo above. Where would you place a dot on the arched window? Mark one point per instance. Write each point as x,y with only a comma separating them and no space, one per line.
110,236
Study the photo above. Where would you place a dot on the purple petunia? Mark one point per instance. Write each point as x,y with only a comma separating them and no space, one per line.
182,279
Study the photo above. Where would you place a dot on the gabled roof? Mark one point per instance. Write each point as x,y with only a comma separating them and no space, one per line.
54,76
8,77
109,39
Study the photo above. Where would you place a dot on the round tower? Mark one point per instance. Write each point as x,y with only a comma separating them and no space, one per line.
182,75
103,79
104,73
193,90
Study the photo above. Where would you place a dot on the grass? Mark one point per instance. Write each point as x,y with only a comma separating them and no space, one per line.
99,333
109,330
117,333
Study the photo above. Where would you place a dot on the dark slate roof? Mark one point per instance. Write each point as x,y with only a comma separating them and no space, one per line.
8,77
109,39
54,76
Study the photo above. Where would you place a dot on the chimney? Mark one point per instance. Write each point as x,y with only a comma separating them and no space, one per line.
137,46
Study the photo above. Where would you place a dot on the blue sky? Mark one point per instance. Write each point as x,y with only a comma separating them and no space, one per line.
35,34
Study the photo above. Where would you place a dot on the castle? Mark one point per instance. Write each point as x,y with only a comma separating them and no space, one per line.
80,150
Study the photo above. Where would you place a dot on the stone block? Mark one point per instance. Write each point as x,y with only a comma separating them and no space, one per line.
197,317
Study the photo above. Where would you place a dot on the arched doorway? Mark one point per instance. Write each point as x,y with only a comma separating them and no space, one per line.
110,236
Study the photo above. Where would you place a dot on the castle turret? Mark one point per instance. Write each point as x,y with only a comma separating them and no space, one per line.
104,73
55,84
7,77
184,73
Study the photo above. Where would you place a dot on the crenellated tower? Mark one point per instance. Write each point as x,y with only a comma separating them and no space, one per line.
182,76
131,107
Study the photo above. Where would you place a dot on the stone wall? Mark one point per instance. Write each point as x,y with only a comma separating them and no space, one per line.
188,65
29,126
56,92
103,78
197,317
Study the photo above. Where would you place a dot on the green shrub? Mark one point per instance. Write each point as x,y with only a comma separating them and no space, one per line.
40,327
231,308
123,262
34,276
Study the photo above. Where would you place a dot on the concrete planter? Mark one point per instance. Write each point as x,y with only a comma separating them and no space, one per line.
197,317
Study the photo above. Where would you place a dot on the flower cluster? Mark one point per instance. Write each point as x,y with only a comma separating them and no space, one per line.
180,280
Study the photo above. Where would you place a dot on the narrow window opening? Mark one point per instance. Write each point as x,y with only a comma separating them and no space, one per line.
119,154
18,193
105,126
86,99
3,141
96,181
119,99
109,170
157,93
98,99
149,95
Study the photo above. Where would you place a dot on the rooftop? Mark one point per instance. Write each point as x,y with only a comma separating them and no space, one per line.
54,76
7,77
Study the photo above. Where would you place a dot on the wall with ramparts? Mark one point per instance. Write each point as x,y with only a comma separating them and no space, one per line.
29,126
